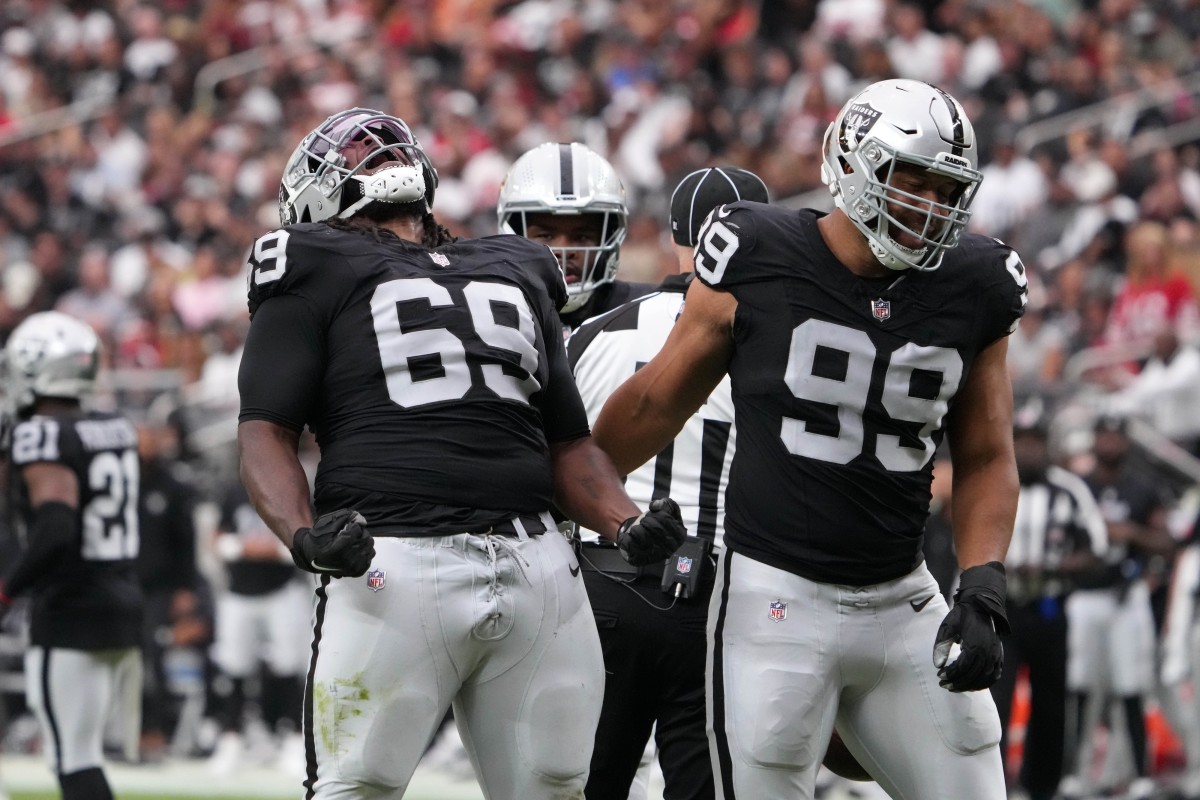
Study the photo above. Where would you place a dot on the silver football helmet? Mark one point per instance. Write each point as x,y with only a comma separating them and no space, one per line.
50,355
354,158
901,122
569,179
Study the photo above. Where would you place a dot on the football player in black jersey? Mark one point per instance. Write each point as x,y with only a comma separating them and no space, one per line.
855,340
569,198
433,374
76,472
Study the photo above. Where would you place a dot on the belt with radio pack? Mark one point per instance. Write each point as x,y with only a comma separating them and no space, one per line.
681,575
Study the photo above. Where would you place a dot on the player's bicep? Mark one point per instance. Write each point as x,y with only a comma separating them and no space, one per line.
282,364
646,412
980,423
696,354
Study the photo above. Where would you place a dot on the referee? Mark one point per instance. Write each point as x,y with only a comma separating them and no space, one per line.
1058,539
652,626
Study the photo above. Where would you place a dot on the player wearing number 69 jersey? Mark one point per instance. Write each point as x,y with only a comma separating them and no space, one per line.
76,472
432,372
854,341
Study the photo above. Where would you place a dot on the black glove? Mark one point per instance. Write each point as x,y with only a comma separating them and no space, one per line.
652,536
976,622
337,545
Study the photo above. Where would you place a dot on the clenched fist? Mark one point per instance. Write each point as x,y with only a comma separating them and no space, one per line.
654,535
337,545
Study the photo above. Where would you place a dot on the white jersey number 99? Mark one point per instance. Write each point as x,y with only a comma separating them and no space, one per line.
848,392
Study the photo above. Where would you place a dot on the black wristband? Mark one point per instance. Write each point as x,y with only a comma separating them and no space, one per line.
986,587
297,549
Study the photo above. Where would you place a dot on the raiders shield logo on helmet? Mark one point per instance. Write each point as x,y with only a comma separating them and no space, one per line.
858,120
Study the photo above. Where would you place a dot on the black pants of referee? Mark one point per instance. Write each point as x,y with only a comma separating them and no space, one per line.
654,673
1039,641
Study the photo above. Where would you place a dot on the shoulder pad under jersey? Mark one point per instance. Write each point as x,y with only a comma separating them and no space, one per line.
745,242
536,260
306,259
997,271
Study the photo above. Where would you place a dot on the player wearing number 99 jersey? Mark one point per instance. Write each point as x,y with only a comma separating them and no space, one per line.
76,473
433,373
851,382
854,341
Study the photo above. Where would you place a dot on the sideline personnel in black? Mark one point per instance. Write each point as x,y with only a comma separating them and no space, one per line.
654,638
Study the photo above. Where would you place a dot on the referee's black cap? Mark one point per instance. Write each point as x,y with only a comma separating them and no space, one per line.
705,189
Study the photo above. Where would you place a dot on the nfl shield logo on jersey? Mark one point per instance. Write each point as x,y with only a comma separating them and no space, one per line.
778,611
376,579
439,259
683,565
881,309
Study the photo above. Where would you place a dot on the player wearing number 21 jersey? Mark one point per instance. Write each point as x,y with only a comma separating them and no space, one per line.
855,341
433,373
76,472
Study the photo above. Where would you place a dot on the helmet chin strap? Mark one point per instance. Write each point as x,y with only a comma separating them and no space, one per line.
889,259
400,184
575,301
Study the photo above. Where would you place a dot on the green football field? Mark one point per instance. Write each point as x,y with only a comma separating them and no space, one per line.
26,777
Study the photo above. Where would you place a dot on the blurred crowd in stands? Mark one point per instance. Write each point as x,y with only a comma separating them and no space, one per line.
141,146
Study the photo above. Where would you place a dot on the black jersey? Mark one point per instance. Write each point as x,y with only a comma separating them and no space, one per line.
167,549
250,576
841,387
1128,499
90,597
433,380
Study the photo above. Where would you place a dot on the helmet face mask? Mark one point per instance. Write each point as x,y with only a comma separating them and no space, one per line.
887,149
569,181
354,158
50,355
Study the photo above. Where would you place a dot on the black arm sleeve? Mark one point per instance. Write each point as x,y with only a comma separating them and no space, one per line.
280,376
55,531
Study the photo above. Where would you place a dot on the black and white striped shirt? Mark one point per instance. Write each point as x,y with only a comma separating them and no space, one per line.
694,469
1055,517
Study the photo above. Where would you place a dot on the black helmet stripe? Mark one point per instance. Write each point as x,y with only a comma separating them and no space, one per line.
959,136
566,169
